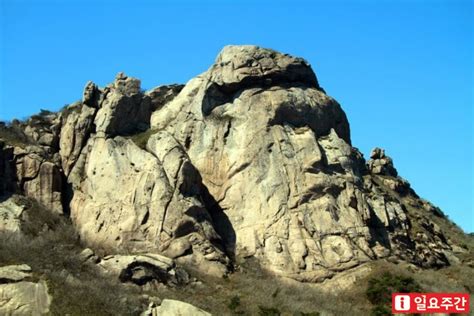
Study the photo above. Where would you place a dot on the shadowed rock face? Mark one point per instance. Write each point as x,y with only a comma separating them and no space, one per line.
250,158
7,170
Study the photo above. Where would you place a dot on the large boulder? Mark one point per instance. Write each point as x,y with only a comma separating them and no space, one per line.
43,129
124,109
137,200
24,298
141,269
381,164
123,197
10,219
174,308
14,273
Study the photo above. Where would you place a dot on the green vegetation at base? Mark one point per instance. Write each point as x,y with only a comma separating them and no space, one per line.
380,289
268,311
234,303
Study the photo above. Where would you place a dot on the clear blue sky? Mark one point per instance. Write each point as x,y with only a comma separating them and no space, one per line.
402,70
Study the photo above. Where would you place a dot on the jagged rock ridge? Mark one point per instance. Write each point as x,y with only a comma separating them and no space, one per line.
250,158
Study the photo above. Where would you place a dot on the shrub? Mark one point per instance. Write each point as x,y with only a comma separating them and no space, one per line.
380,289
13,135
268,311
234,303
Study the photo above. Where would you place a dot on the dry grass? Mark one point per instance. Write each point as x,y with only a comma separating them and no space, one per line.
80,289
252,291
52,250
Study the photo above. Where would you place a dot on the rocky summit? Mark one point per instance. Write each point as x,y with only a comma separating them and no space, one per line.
249,161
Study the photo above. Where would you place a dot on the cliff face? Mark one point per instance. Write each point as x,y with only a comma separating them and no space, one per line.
249,159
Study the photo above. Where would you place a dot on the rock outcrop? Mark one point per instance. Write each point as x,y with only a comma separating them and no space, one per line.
124,108
141,269
249,159
10,220
174,308
163,94
381,164
14,273
275,153
144,201
76,129
20,297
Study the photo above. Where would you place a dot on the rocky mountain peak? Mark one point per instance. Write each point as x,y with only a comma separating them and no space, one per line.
249,159
381,164
91,94
126,85
238,67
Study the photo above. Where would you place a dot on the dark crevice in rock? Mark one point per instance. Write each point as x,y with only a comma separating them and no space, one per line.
377,231
187,142
185,228
67,194
221,222
145,218
142,272
226,133
8,177
198,214
187,252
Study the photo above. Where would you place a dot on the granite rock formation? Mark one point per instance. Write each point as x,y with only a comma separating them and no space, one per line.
249,159
18,296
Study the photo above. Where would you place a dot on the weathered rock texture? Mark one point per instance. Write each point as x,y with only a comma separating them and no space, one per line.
14,273
143,201
174,308
20,297
274,151
250,158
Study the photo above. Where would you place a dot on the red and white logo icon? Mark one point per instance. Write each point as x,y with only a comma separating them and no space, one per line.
401,303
